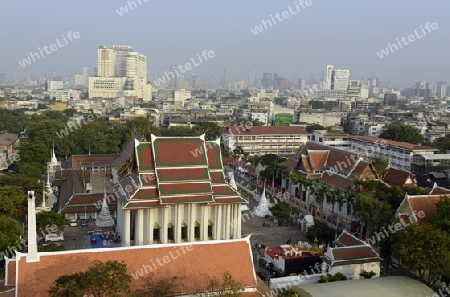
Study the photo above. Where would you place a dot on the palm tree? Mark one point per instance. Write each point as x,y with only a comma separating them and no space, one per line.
332,199
364,210
294,180
322,193
308,184
256,161
283,172
273,168
349,204
340,199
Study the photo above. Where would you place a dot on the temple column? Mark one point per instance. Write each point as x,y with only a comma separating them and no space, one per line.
146,226
139,227
218,221
233,222
153,219
204,224
191,222
178,220
165,225
227,222
239,221
126,228
119,217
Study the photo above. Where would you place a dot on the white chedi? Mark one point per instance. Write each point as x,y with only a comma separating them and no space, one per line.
263,207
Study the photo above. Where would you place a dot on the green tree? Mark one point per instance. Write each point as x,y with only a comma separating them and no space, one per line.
321,195
256,122
321,231
70,112
256,161
442,143
380,165
210,129
162,287
281,210
24,182
403,133
350,199
10,233
144,127
101,280
50,218
423,249
12,200
441,218
225,286
313,127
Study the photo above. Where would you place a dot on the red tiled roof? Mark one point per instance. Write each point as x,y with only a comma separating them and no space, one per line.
397,177
359,169
146,194
354,254
145,156
217,177
177,174
424,203
184,188
194,263
336,181
318,159
213,153
405,145
266,130
440,191
170,151
346,239
201,198
93,160
224,190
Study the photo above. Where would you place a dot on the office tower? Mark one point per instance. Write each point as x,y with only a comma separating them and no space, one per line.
439,89
339,79
311,79
86,75
194,81
267,81
284,83
275,81
328,76
251,77
225,73
173,72
374,82
121,72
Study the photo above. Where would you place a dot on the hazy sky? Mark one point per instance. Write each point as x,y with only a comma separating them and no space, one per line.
345,33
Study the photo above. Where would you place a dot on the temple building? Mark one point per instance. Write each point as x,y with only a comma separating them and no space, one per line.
172,190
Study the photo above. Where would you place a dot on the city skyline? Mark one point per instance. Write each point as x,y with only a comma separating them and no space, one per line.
352,40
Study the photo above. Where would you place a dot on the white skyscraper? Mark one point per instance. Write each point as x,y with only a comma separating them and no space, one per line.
340,79
329,74
121,72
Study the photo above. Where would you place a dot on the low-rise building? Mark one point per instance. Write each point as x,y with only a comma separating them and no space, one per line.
260,140
426,163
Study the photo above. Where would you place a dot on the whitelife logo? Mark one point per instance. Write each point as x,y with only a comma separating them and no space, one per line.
411,38
266,24
188,66
49,49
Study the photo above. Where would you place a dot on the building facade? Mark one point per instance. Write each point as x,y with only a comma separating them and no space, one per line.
260,140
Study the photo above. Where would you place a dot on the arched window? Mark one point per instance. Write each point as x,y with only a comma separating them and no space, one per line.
197,230
156,233
170,232
210,229
184,231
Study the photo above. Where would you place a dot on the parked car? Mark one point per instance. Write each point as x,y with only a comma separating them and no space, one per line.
264,275
84,223
54,237
73,223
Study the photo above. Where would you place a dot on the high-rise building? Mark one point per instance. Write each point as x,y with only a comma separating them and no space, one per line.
251,77
86,75
311,79
275,83
339,79
267,81
328,76
121,72
439,89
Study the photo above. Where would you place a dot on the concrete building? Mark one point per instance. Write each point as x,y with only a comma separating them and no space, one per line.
282,141
181,96
336,140
321,117
121,72
340,79
399,154
426,163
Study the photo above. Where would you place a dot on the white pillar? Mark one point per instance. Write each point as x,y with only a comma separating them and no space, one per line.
239,222
126,228
179,210
204,224
227,220
147,226
119,217
234,221
32,255
218,222
165,224
139,227
192,209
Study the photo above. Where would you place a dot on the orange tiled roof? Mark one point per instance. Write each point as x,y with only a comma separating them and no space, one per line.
405,145
425,203
440,191
266,130
397,177
193,263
